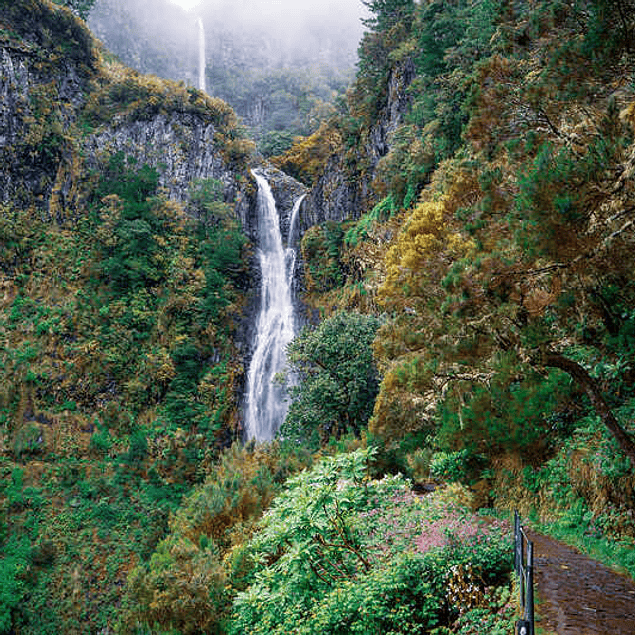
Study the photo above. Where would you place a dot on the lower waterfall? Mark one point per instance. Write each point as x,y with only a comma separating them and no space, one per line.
266,407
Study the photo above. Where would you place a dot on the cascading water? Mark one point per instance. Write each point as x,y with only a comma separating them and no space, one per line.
201,55
291,240
266,407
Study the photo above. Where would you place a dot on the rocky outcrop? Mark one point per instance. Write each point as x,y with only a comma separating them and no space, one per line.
336,195
343,192
286,192
392,114
50,147
38,110
47,60
182,148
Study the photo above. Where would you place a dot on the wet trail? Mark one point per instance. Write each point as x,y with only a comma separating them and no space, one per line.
577,595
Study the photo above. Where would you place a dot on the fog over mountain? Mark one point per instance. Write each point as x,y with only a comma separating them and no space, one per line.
274,62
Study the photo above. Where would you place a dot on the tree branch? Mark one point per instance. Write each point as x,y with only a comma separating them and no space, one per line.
590,386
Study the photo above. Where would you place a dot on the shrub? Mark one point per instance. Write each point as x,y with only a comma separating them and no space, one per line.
339,553
337,379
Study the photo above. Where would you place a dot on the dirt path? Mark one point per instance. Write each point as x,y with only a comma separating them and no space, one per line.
577,595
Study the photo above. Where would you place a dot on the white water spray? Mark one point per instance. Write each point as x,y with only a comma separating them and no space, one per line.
266,407
201,55
294,221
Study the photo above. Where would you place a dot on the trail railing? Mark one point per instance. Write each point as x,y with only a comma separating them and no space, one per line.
524,565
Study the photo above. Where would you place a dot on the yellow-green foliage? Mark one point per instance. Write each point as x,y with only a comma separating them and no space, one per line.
238,489
308,156
53,33
124,93
426,242
184,589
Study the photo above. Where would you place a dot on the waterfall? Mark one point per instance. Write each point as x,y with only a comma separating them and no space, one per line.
276,324
294,221
201,55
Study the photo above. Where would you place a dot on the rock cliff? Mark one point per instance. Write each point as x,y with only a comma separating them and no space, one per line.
286,191
65,111
43,87
182,148
344,190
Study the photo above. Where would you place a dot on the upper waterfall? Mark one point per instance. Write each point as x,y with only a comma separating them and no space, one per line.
201,55
266,407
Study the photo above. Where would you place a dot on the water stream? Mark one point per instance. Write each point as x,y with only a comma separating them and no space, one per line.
201,55
266,407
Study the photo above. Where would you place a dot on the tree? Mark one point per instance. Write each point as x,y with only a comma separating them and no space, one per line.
387,13
308,543
547,282
79,7
337,378
543,192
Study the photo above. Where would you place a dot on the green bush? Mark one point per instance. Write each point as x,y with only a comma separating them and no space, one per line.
188,581
27,440
321,246
339,553
14,566
450,466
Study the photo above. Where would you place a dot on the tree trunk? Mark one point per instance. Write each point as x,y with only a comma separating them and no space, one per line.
592,389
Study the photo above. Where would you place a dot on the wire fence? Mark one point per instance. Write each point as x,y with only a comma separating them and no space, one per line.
524,565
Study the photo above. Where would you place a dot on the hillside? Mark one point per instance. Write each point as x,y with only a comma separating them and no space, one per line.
467,273
281,67
123,257
499,249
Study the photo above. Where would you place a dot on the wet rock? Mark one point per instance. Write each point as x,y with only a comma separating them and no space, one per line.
339,194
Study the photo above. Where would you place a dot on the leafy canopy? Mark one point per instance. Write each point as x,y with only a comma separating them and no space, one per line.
337,379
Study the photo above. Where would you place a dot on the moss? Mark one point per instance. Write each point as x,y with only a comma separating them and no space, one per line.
55,30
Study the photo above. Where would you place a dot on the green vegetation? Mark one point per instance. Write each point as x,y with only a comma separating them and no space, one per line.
477,330
188,583
138,298
338,380
80,7
339,553
500,253
117,359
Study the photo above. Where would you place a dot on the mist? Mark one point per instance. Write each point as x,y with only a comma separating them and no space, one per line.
291,32
278,64
281,65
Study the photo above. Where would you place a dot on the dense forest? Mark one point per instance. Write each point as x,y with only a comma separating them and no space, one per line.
470,329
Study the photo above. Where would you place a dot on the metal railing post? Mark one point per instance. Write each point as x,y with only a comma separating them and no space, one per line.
525,573
529,606
517,552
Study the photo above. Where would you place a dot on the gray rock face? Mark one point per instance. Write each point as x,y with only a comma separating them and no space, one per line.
393,111
43,159
335,196
14,92
181,147
37,111
340,194
286,191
